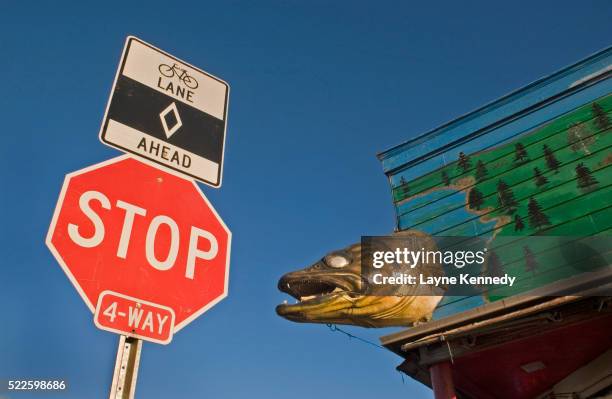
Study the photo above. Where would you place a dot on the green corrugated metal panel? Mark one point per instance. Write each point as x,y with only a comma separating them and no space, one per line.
536,162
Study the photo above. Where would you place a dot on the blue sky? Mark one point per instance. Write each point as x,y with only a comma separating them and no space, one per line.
317,89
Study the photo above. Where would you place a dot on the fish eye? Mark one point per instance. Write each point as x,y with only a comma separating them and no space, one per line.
337,260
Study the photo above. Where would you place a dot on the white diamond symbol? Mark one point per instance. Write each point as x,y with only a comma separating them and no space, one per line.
162,116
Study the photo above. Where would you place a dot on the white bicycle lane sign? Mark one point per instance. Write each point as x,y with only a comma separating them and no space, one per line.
168,112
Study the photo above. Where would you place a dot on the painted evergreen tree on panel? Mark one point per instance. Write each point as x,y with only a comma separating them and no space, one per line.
481,171
602,121
445,178
464,163
531,264
518,223
404,188
505,197
584,177
475,198
579,138
540,179
494,266
537,218
520,153
551,161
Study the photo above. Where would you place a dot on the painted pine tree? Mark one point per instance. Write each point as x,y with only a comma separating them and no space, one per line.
537,218
531,264
520,153
540,179
579,138
602,121
505,197
445,178
464,163
584,177
495,268
518,223
481,171
475,198
551,161
404,188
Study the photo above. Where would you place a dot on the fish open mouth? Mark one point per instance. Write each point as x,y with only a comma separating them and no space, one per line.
308,289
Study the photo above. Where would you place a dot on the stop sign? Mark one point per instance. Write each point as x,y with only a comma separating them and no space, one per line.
148,240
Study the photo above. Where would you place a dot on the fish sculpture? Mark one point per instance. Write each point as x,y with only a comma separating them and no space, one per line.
334,291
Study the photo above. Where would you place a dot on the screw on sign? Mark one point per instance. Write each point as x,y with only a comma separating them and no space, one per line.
144,248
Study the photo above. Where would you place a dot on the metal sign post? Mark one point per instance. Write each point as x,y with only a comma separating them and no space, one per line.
126,368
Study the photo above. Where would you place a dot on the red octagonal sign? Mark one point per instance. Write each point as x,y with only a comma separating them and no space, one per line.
144,248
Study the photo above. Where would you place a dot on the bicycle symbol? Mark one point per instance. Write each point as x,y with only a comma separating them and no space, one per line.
174,70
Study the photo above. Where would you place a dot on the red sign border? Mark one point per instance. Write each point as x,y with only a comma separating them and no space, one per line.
71,277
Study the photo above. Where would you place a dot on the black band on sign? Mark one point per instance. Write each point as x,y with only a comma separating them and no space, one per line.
139,106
